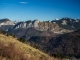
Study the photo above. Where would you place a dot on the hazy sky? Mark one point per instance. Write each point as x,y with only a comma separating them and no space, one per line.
39,9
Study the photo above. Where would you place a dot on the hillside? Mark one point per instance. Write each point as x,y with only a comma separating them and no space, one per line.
27,33
12,49
63,45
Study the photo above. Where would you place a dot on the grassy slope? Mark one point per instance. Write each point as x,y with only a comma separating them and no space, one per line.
12,49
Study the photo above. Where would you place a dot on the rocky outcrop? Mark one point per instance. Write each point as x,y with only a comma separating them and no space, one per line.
5,24
27,24
64,22
59,26
44,26
41,26
30,28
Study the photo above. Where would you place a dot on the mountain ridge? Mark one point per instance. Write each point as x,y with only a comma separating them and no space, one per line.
65,44
60,26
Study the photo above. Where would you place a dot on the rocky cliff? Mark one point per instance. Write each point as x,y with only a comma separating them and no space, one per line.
61,26
5,24
58,26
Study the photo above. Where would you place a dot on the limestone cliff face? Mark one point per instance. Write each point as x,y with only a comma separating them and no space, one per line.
58,26
42,26
27,24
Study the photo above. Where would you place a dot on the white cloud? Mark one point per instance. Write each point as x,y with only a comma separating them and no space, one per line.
24,2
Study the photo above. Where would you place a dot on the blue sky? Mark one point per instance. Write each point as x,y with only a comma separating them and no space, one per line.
39,9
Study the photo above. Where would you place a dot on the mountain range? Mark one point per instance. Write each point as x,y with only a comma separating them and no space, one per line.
60,37
36,28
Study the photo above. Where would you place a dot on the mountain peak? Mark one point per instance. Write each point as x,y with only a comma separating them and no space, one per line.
3,20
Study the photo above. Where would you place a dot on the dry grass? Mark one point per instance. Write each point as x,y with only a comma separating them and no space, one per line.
12,49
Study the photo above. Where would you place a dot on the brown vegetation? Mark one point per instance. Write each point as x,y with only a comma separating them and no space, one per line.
12,49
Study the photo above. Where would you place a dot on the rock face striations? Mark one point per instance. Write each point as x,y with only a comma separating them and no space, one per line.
64,25
32,28
27,24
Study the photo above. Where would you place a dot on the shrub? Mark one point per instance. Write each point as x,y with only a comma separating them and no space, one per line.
60,56
33,45
21,39
10,34
2,32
